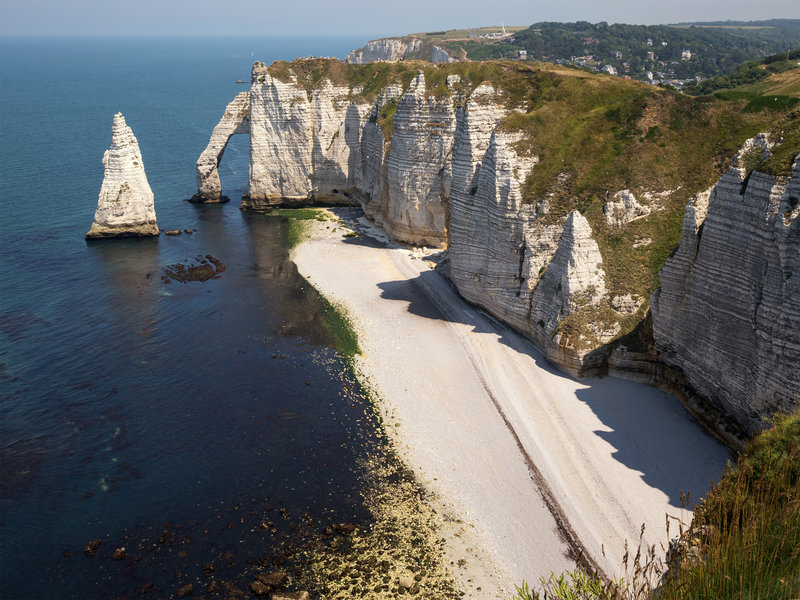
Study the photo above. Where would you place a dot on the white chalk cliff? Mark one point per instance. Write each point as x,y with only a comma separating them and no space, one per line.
531,275
418,167
728,311
304,147
440,55
385,49
439,167
324,146
445,177
125,207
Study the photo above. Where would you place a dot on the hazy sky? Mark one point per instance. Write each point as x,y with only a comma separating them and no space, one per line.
368,18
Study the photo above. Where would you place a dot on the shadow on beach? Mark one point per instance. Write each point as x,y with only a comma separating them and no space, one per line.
650,431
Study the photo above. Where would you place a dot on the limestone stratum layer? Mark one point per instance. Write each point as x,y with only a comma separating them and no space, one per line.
125,207
559,194
727,313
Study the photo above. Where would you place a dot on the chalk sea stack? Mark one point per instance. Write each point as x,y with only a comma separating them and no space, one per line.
125,207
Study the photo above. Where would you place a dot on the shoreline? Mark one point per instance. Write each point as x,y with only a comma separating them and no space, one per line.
504,441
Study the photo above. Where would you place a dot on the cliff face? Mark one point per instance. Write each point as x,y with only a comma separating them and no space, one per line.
440,55
418,167
370,170
281,142
728,310
395,49
125,206
531,275
303,147
236,119
324,145
451,161
385,49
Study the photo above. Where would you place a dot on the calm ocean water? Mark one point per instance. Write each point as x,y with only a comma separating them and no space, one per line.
169,419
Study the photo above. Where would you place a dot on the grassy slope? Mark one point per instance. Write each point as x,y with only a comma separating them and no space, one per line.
462,34
596,135
748,528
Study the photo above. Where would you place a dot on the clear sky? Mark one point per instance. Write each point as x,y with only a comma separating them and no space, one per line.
369,18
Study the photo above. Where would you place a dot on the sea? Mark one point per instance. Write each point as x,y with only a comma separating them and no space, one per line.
199,426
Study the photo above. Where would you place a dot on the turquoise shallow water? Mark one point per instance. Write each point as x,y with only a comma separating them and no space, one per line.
168,418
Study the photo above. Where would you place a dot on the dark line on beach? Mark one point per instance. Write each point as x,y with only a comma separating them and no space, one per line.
569,536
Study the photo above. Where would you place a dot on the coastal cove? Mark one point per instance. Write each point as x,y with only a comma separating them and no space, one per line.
205,430
541,466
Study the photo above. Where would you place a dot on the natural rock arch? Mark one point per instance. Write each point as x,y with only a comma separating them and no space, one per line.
236,119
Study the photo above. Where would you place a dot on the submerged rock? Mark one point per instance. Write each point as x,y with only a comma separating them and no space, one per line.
125,206
291,596
259,588
91,547
276,579
207,269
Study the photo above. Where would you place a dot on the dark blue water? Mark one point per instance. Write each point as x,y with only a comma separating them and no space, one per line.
172,419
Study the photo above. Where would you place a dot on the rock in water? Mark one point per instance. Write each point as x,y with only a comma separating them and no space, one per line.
125,207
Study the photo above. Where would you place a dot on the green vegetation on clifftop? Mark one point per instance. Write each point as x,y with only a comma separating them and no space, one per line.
635,50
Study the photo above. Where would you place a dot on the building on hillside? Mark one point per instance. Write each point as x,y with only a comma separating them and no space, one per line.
609,69
649,42
651,55
522,55
618,55
686,54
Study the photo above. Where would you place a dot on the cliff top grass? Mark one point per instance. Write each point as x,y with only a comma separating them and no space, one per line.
365,82
783,77
463,34
597,135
